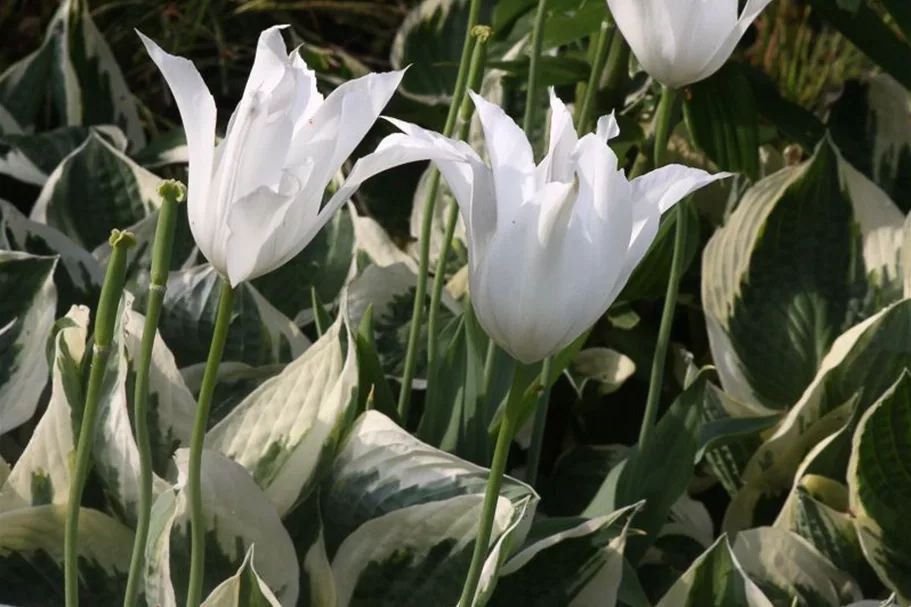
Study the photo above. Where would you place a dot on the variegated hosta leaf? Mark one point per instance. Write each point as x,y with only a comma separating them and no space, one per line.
281,430
390,289
816,510
416,555
164,150
31,556
870,124
32,158
93,190
577,566
238,516
381,468
76,69
258,333
170,419
78,275
715,578
41,475
235,381
373,242
787,567
8,123
838,234
27,309
860,366
244,589
324,265
458,253
608,368
879,484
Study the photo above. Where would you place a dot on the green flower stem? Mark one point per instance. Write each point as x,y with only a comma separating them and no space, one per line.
105,319
534,68
662,132
420,293
603,46
481,34
522,378
537,435
194,489
172,193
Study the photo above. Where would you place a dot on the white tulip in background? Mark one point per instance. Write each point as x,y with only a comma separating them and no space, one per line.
254,201
549,246
679,42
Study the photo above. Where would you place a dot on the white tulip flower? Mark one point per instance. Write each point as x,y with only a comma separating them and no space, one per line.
549,246
680,42
254,201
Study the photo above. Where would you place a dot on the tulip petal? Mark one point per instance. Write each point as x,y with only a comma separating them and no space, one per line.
727,46
309,97
557,164
510,156
469,180
269,62
198,114
649,29
668,185
344,117
607,127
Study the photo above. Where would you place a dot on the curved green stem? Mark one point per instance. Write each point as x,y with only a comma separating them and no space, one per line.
420,294
656,379
540,423
602,48
197,438
521,380
171,192
481,33
105,319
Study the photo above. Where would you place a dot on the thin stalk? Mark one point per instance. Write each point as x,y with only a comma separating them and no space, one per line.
481,33
197,438
420,294
534,68
616,72
602,48
105,318
522,378
537,435
172,193
662,130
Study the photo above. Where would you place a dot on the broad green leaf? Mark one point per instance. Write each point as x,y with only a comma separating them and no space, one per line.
605,367
838,234
660,473
31,556
164,150
381,468
8,124
32,158
869,122
93,190
280,432
414,556
861,365
871,35
170,419
787,567
78,276
581,565
323,264
577,475
390,290
244,589
715,578
793,121
879,485
76,70
721,116
373,387
238,515
430,40
41,475
26,315
258,333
